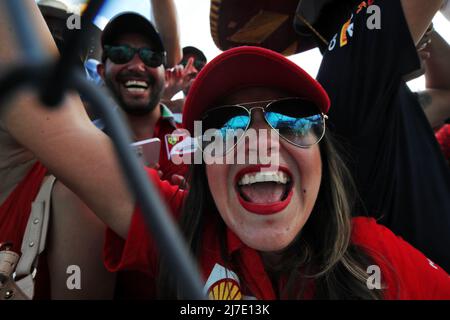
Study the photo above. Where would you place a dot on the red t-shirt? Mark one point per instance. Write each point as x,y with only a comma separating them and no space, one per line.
14,214
443,137
166,126
405,272
16,209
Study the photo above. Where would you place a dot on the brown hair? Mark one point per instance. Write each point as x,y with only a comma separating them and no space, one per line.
322,252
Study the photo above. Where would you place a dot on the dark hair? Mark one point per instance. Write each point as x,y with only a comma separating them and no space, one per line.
322,252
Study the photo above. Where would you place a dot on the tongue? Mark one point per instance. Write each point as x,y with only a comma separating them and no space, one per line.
263,192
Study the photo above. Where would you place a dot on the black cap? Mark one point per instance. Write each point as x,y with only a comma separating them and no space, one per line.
325,16
195,52
130,22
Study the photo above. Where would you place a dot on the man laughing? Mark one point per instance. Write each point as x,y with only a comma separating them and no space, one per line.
132,67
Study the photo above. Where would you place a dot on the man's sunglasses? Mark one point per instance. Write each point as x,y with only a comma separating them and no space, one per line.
296,120
124,54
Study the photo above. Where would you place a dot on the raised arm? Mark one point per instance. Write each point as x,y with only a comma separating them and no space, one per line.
435,100
166,20
65,141
437,72
419,14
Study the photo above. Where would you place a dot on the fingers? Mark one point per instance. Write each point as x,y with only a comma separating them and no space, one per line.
424,55
189,65
157,167
179,77
178,180
179,71
423,44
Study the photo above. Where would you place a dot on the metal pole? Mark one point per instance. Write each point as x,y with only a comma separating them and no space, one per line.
29,43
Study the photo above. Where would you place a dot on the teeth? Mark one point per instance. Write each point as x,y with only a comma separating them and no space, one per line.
136,90
135,83
255,177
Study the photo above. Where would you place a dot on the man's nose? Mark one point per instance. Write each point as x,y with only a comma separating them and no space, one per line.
136,64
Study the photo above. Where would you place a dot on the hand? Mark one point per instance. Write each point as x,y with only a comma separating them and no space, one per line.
179,78
157,167
180,181
423,47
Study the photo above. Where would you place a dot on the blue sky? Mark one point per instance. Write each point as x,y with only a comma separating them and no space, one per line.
113,7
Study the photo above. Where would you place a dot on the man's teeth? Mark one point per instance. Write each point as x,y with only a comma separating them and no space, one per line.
139,90
135,84
255,177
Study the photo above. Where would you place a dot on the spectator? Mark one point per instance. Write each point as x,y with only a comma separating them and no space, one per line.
390,142
181,77
368,55
133,70
24,146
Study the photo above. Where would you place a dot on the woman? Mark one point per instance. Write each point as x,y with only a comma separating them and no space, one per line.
93,173
279,230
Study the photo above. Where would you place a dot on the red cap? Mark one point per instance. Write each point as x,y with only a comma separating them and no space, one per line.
244,67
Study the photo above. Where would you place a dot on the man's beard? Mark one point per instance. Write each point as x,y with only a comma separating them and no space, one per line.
137,110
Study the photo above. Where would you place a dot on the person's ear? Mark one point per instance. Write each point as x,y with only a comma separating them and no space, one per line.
101,70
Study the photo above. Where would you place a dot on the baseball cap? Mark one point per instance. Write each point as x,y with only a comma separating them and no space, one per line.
243,67
130,22
189,50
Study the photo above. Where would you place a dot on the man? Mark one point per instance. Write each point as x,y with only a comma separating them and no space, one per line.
402,177
132,68
181,77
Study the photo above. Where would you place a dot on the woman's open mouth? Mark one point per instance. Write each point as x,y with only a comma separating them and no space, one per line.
262,191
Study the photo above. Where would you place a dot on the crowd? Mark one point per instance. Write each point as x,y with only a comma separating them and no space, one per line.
305,186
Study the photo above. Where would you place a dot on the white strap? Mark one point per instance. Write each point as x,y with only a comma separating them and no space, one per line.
33,242
26,286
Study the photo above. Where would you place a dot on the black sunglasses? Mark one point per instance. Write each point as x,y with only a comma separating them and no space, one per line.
124,53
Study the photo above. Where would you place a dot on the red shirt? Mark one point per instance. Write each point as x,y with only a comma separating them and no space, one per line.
16,209
14,214
129,284
443,137
165,126
405,272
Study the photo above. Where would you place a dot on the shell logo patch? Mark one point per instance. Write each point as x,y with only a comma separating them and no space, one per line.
226,289
223,284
